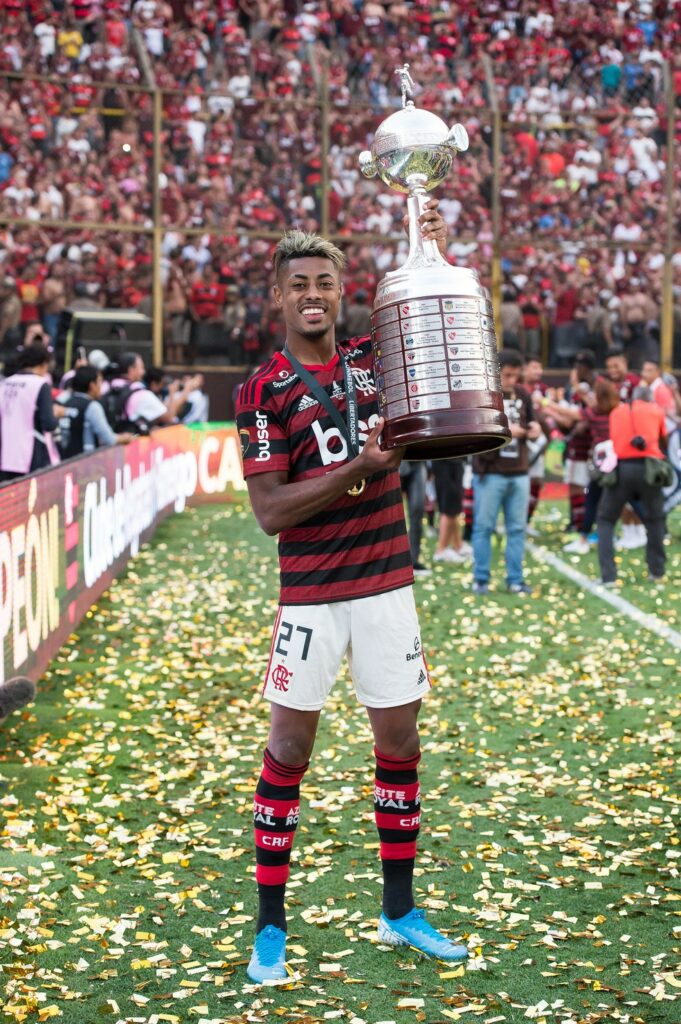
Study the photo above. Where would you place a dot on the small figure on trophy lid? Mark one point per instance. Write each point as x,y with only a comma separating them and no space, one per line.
406,84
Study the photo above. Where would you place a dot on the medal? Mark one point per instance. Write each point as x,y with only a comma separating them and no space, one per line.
357,489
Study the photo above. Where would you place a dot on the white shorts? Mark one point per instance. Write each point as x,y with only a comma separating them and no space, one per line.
576,473
380,636
538,469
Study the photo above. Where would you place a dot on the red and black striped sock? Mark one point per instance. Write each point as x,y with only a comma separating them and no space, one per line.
577,503
467,500
276,809
536,484
397,807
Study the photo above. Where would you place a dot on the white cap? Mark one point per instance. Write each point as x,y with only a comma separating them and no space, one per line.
73,253
98,359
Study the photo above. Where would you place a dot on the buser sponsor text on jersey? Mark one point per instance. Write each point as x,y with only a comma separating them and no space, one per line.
262,436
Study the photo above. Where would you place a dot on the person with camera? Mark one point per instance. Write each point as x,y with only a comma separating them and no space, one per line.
84,425
639,437
501,480
131,405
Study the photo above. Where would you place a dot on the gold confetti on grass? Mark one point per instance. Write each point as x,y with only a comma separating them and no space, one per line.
551,810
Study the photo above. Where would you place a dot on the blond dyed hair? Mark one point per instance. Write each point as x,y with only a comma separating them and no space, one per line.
297,245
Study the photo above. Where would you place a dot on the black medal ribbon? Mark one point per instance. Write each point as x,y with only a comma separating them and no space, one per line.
349,427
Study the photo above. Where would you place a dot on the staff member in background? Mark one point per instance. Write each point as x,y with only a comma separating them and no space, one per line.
660,390
413,484
27,416
451,547
639,437
617,370
501,480
84,425
594,424
139,405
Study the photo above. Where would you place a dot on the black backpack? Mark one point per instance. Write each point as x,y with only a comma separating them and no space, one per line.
114,403
70,435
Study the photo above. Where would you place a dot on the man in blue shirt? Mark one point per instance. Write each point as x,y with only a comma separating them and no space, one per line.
85,426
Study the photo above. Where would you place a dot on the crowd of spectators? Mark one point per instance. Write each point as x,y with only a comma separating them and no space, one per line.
584,111
45,420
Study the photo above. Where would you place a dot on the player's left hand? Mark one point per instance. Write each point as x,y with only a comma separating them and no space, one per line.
432,223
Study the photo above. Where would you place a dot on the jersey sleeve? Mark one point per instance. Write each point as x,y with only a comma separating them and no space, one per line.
263,439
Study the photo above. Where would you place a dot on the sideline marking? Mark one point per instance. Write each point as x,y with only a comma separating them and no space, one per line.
648,621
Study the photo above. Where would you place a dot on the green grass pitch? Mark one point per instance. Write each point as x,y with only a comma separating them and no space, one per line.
551,792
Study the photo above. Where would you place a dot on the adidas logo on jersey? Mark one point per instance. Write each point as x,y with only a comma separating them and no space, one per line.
306,402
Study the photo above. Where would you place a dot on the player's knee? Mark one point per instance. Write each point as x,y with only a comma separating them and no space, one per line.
291,750
399,744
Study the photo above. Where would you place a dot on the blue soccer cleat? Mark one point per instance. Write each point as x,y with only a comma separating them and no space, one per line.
268,962
414,930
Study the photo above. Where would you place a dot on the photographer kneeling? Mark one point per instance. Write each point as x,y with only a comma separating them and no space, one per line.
639,438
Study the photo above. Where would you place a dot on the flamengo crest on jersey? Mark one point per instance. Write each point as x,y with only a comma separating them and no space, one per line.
357,546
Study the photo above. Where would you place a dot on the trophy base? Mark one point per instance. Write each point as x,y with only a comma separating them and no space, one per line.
447,434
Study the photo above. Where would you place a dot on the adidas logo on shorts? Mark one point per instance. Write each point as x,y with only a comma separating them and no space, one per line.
421,678
306,402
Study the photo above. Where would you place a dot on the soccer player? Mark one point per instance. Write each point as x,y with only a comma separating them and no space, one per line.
309,427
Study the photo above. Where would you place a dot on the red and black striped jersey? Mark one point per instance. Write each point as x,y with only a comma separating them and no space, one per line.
357,546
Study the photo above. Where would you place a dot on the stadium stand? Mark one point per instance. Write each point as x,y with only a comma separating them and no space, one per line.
249,90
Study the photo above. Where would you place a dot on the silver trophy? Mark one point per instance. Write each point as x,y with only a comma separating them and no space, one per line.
435,349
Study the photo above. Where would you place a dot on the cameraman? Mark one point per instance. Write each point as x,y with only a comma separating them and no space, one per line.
639,437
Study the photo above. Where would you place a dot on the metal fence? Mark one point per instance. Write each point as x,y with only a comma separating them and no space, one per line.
566,202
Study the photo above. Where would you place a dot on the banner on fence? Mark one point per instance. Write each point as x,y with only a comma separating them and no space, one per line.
66,532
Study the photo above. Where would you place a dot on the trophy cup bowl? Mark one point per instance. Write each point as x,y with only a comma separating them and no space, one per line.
435,348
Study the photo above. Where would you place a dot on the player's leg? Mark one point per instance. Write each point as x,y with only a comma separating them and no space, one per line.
307,646
276,812
515,502
610,508
397,803
391,676
488,490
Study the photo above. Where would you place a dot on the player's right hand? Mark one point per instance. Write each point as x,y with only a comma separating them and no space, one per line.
372,456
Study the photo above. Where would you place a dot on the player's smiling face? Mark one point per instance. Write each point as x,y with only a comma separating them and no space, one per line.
308,293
